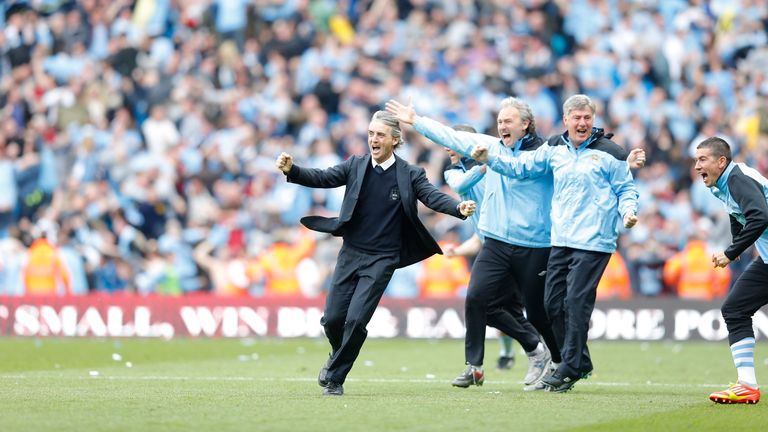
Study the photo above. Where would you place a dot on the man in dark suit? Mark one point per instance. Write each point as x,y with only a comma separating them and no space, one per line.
381,231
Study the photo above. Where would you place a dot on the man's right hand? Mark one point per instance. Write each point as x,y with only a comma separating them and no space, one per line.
720,260
404,113
480,153
284,162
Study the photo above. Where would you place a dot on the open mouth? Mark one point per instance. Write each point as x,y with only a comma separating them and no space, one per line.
704,176
375,148
506,137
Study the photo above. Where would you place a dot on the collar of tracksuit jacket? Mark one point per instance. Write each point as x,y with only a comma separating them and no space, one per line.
525,143
597,133
722,182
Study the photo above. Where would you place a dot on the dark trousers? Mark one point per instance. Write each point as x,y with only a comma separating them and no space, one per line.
748,295
358,283
495,296
571,288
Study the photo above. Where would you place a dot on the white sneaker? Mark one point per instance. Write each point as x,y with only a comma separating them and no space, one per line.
539,385
538,364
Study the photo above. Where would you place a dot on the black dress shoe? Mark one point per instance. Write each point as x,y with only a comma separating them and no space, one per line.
321,378
333,389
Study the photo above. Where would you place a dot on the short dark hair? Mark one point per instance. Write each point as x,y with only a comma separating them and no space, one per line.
718,147
464,128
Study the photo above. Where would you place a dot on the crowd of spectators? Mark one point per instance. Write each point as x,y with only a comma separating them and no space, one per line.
138,138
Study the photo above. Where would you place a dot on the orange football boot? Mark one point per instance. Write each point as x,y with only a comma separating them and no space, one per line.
736,394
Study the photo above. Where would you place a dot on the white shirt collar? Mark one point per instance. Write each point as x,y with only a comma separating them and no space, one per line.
386,164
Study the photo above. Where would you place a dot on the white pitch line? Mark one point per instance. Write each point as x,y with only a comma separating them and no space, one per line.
589,382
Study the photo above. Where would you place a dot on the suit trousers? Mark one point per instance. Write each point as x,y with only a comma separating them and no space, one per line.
358,283
571,289
495,298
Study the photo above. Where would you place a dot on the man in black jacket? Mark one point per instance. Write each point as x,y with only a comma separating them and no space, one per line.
381,230
745,194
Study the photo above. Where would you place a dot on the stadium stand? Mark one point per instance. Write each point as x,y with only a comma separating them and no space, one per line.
138,138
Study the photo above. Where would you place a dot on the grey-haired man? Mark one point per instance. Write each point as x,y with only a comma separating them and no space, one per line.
381,230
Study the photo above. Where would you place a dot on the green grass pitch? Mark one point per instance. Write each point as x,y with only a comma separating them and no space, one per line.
396,385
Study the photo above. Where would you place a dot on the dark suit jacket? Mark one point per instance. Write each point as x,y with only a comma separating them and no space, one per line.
412,181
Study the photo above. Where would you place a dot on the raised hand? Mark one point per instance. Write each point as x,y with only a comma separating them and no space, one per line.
404,113
636,158
284,162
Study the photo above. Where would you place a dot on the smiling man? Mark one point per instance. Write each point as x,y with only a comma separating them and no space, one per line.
512,262
744,192
593,189
381,230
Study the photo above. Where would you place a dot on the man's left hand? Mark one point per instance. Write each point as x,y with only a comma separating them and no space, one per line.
720,260
636,158
630,219
467,208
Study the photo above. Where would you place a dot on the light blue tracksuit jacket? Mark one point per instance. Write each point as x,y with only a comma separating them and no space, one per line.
593,188
467,179
513,210
744,191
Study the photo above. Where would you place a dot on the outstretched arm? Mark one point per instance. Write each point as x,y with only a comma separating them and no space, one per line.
436,200
332,177
527,164
459,141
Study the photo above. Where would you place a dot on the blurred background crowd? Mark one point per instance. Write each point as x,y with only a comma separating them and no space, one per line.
138,138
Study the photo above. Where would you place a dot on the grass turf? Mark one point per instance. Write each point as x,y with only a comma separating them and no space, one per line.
270,385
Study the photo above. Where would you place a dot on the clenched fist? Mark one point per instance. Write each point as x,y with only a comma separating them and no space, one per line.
284,162
467,208
630,219
480,153
636,158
